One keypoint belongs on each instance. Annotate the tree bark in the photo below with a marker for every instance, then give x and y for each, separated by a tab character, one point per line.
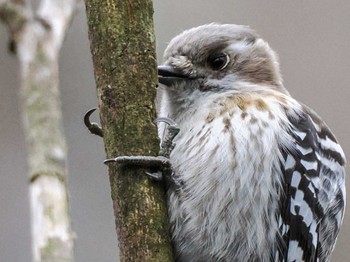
123	50
37	36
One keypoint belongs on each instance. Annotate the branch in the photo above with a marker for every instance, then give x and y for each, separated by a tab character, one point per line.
14	14
38	36
123	50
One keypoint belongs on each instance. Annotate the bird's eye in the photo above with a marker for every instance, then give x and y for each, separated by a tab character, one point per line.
218	62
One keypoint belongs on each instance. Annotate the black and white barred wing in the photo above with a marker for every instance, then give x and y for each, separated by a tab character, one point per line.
313	201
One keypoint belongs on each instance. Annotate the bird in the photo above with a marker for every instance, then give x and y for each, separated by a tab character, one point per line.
256	175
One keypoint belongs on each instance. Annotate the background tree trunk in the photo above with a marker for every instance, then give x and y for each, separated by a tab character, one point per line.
123	49
37	36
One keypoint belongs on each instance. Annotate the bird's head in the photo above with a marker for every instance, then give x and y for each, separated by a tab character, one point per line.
216	57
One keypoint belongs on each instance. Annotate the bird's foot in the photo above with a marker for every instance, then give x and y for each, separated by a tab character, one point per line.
93	127
158	165
168	144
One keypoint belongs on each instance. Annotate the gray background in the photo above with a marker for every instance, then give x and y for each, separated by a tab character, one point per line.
312	40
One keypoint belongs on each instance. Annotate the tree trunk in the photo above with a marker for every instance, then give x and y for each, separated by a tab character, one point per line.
123	50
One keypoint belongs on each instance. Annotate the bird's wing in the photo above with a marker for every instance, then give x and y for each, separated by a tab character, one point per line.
312	204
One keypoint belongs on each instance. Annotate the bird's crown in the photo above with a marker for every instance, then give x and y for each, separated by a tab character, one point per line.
217	51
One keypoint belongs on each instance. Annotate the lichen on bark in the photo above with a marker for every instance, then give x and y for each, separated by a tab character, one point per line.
123	50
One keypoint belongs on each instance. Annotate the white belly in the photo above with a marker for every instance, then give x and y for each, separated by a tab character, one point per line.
227	171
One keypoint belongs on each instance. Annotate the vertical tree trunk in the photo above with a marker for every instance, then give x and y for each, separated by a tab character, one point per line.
38	35
123	50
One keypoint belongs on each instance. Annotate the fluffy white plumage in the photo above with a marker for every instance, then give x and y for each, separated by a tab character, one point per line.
257	175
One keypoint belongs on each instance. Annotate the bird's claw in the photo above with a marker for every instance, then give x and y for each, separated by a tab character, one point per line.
156	176
93	127
160	163
167	144
145	161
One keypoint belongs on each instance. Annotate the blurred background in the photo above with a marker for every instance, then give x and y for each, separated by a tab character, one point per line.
312	40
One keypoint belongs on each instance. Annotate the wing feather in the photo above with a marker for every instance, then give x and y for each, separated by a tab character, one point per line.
312	204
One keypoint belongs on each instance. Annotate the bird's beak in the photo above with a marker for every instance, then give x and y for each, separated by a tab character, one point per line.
169	75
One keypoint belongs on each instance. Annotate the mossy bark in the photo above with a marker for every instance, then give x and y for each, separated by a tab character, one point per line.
123	50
